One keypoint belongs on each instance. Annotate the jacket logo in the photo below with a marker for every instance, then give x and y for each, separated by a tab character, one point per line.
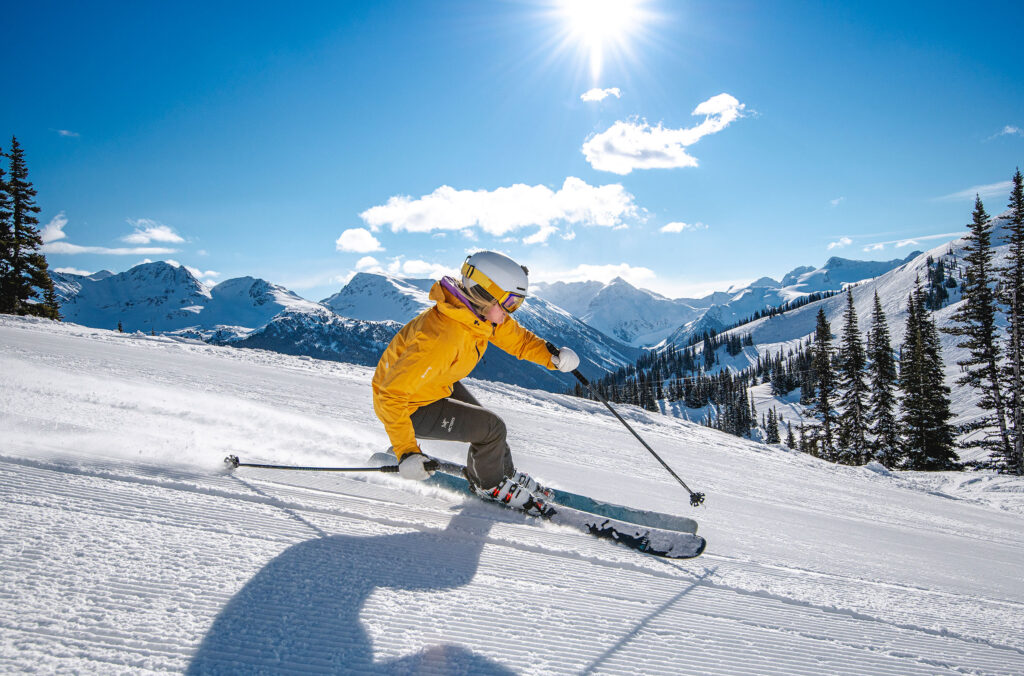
447	424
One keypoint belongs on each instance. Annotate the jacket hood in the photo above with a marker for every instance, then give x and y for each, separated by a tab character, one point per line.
452	304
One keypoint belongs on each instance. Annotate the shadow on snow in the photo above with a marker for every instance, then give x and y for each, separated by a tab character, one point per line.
301	612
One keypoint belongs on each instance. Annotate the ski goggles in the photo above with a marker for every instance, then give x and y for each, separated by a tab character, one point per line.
508	300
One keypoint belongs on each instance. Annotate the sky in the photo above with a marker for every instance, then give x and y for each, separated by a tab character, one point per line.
684	146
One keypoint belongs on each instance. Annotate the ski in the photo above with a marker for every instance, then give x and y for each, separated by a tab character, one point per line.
663	542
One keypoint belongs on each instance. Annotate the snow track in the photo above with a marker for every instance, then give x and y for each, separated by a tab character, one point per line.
125	546
149	570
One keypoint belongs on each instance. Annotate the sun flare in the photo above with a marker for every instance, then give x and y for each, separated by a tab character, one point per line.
601	26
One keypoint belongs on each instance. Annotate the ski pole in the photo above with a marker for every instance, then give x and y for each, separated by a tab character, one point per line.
232	462
696	499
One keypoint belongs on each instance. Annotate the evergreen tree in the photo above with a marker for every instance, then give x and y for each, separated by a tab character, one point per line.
882	402
6	237
772	428
853	444
975	323
1013	286
826	385
25	272
790	440
927	434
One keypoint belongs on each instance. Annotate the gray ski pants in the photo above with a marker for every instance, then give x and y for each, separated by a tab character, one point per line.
460	417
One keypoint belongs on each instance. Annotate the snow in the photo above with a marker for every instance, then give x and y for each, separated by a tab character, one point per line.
125	546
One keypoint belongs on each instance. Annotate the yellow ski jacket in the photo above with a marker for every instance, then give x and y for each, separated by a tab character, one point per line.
434	351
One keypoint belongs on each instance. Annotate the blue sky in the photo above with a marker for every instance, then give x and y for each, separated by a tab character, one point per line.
302	142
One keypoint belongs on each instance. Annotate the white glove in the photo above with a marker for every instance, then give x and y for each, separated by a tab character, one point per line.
566	360
412	467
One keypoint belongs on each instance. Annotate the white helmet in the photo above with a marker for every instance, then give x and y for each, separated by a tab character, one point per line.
498	275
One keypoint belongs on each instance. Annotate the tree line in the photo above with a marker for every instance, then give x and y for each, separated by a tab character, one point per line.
870	402
25	284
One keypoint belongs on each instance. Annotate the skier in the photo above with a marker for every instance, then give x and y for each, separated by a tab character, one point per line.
417	388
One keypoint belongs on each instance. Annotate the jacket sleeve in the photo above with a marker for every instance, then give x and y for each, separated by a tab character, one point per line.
419	365
521	344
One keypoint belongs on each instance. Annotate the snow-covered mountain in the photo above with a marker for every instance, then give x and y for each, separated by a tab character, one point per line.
837	273
353	325
788	331
163	297
643	318
375	297
126	548
378	297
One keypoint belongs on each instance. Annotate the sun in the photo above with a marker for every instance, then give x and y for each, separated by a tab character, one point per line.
602	27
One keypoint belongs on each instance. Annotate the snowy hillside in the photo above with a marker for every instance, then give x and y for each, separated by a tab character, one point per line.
789	330
125	547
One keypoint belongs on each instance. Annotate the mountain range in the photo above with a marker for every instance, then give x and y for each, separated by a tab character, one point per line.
608	325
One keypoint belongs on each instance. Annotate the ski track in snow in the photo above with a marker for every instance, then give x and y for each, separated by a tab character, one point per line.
125	546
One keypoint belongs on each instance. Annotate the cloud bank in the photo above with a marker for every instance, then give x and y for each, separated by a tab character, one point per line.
505	210
626	146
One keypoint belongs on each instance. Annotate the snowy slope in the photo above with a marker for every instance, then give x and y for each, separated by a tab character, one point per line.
125	548
789	330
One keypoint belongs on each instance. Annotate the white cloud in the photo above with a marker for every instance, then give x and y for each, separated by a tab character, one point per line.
626	146
541	236
148	230
837	201
67	133
597	94
74	249
358	240
1008	130
1001	189
206	276
54	230
679	226
367	263
897	243
604	273
841	242
504	210
417	268
72	271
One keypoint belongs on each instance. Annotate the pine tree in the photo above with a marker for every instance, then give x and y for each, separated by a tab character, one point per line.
826	385
25	272
772	428
1013	297
975	322
6	238
882	402
790	439
853	444
927	434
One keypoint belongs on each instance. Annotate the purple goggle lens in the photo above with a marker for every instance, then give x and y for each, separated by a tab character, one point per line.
513	301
